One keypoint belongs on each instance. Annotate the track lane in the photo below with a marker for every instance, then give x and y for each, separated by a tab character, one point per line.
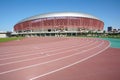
9	49
47	58
46	53
36	47
74	63
53	61
34	75
41	47
13	49
26	56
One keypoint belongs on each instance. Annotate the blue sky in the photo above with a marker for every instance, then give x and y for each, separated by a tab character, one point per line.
12	11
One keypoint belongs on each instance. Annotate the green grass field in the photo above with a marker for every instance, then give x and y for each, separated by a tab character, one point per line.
10	39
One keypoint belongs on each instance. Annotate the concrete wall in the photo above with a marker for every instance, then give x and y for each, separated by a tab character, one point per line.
3	35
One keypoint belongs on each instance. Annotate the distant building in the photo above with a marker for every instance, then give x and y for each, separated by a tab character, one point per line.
119	30
5	34
109	29
115	30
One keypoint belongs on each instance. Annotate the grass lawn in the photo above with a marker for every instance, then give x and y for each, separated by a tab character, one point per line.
10	39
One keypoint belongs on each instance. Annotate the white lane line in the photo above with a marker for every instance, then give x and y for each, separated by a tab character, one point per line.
56	41
31	45
70	64
35	53
35	49
79	47
13	70
51	50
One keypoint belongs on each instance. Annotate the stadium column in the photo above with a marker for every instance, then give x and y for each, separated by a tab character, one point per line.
50	34
76	33
71	33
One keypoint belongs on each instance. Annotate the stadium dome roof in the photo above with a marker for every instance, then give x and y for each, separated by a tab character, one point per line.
59	14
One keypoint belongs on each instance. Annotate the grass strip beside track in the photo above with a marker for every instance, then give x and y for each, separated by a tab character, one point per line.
10	39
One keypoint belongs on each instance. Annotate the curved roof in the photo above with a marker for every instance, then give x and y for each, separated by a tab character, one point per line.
58	14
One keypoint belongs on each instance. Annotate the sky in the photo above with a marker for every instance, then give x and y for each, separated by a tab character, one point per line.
13	11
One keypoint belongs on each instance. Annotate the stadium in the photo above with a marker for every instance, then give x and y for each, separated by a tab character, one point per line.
60	23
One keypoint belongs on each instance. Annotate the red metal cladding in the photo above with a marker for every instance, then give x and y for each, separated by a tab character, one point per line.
58	22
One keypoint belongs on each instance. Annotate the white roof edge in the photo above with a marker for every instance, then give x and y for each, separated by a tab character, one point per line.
58	14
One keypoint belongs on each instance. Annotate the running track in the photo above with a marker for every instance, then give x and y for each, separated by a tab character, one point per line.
53	58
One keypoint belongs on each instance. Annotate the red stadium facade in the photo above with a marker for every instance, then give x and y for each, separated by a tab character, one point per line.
65	22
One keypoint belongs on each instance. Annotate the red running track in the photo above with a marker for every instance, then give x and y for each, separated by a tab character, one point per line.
49	58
